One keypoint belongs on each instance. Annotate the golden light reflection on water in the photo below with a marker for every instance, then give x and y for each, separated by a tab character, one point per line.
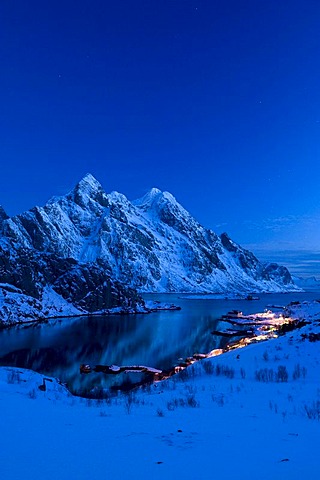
267	322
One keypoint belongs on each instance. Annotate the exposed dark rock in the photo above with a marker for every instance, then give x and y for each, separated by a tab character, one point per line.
272	271
3	216
26	275
228	243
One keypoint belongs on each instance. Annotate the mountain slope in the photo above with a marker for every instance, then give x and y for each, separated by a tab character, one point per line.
37	285
152	244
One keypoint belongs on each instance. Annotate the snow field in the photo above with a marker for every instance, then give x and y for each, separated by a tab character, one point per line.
214	419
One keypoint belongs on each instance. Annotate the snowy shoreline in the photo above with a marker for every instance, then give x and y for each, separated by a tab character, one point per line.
150	307
229	406
257	327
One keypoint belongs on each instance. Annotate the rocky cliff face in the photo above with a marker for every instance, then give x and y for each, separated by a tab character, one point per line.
36	285
3	215
90	243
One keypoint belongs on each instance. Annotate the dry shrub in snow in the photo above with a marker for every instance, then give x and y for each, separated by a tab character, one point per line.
267	375
211	369
299	372
282	374
313	410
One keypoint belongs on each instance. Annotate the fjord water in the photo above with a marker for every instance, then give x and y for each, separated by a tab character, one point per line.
159	340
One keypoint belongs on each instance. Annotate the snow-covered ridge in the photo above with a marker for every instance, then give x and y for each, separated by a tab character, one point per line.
87	244
152	244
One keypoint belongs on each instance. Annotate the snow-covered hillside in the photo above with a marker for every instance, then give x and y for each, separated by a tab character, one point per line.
35	285
249	413
152	244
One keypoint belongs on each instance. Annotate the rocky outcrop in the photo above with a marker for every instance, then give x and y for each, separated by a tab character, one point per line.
3	216
37	285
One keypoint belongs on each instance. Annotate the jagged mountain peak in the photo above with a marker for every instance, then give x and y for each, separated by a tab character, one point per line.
148	199
154	191
88	184
118	197
155	201
154	195
170	198
86	191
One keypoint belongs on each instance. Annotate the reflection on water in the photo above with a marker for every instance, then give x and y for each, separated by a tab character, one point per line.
157	340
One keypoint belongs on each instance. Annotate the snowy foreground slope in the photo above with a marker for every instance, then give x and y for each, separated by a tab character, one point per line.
199	425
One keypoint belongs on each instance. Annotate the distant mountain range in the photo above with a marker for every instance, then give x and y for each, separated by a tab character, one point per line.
89	251
309	283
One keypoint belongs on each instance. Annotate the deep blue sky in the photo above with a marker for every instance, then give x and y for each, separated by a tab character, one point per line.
217	102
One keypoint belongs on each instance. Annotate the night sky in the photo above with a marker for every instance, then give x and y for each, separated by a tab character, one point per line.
217	102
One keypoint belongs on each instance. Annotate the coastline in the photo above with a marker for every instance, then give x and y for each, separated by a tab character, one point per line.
144	310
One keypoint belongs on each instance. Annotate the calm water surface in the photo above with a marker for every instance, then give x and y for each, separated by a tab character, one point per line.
157	340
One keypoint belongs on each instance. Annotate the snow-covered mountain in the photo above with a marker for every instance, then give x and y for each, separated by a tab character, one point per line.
152	244
309	283
36	285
